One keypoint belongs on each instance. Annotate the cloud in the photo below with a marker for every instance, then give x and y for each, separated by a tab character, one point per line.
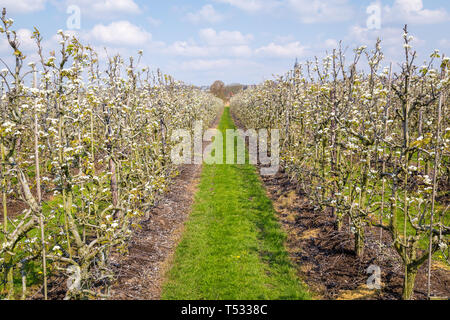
217	65
26	43
214	44
391	40
412	11
389	37
154	22
202	65
187	49
23	6
331	44
206	14
315	11
224	38
119	33
240	51
445	43
252	5
285	38
183	48
105	7
289	50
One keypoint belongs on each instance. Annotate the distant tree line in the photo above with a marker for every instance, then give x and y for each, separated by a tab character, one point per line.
226	92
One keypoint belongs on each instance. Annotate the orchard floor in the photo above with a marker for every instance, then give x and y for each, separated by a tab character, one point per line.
233	246
222	232
142	272
325	258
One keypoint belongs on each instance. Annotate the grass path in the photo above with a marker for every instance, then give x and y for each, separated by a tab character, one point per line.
233	247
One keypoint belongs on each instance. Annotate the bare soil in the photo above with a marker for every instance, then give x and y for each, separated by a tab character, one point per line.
325	259
16	207
142	272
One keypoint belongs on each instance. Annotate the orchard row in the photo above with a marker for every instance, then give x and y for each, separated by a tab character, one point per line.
85	151
368	144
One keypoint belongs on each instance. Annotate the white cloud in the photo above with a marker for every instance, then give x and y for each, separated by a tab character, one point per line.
183	48
391	40
314	11
289	50
217	65
206	14
285	38
23	6
4	46
240	51
445	43
224	38
213	44
202	65
409	5
252	5
331	44
154	22
187	49
128	6
413	11
119	33
105	7
26	43
389	36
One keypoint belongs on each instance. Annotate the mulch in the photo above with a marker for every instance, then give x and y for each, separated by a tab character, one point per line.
141	274
325	258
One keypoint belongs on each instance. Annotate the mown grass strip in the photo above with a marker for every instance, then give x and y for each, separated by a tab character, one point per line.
233	247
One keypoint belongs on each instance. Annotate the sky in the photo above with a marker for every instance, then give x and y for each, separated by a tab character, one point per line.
244	41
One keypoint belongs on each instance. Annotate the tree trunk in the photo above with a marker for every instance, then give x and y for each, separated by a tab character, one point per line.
359	242
338	224
409	283
114	191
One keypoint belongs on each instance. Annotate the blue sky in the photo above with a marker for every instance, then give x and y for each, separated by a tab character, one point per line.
244	41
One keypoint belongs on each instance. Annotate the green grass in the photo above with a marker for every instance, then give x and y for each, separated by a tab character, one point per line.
233	247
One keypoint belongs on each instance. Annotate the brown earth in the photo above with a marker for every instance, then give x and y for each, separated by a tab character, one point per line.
141	273
325	259
16	206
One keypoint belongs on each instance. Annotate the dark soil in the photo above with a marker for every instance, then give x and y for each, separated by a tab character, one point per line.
16	207
141	273
325	257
